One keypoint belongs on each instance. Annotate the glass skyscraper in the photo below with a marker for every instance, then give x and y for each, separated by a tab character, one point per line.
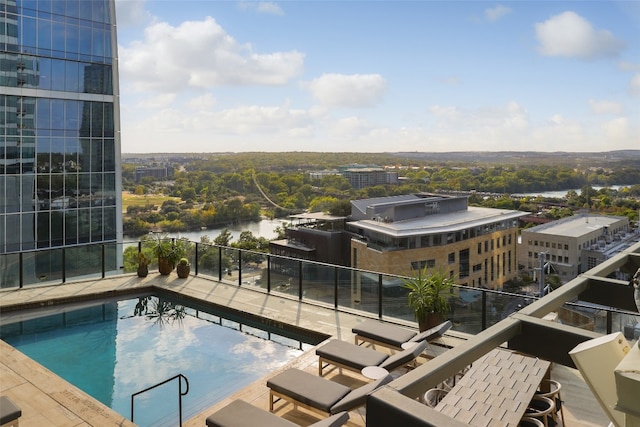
60	183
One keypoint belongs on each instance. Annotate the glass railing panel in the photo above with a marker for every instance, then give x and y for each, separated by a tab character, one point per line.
208	260
230	265
364	291
254	266
42	267
318	282
466	309
285	276
117	255
395	298
345	293
84	262
9	270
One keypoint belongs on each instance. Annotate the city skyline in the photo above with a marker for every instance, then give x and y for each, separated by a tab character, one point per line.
198	76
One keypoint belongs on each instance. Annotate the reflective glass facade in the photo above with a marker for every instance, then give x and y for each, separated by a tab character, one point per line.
59	124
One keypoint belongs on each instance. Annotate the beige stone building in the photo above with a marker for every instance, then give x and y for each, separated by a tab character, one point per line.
574	244
399	234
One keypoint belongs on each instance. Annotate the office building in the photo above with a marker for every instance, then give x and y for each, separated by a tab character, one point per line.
574	244
60	181
401	234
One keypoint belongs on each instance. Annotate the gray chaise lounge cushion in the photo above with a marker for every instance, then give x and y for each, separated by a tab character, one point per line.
351	355
405	356
357	357
384	332
394	335
433	333
242	414
321	393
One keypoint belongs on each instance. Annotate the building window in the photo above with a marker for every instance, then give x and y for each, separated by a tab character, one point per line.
477	267
479	248
566	247
452	258
486	246
463	267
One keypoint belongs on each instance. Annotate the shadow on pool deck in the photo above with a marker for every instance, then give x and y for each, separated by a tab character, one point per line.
46	399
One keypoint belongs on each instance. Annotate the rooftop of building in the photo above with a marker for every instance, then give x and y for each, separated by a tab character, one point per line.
576	225
44	397
439	223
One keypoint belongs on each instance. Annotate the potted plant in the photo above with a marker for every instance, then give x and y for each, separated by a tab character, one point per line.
183	268
168	251
429	296
143	265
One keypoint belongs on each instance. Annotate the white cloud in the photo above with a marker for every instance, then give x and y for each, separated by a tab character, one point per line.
355	90
616	130
162	100
509	117
605	107
496	13
570	35
351	126
628	66
267	7
200	54
634	85
202	102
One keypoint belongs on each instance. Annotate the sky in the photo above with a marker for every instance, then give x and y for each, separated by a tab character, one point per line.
378	76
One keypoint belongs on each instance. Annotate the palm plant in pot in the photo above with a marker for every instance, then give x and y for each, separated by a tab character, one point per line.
429	295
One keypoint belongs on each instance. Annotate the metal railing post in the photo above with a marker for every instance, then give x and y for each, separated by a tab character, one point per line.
239	267
196	260
64	265
484	310
380	296
335	287
268	274
300	280
104	260
219	263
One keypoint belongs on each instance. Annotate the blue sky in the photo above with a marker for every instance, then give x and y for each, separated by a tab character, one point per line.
379	76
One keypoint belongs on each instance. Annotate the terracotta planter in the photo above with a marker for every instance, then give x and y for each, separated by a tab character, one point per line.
165	266
183	271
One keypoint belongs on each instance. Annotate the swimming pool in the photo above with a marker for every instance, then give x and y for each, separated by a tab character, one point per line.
114	349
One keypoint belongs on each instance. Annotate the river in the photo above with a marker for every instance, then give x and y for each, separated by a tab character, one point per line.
560	194
264	228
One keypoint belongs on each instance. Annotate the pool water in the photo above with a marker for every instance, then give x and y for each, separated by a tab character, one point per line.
116	349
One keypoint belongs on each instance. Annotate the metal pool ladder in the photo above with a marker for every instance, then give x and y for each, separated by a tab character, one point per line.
179	377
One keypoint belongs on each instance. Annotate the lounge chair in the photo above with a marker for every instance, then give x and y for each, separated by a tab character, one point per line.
354	357
392	336
239	413
317	393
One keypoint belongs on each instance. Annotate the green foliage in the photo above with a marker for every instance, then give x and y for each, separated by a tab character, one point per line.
429	292
163	247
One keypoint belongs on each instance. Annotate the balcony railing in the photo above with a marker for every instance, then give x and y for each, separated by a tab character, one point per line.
345	289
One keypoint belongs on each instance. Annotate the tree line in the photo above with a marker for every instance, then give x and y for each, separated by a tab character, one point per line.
221	188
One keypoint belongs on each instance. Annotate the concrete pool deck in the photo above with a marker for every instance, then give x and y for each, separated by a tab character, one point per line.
46	399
